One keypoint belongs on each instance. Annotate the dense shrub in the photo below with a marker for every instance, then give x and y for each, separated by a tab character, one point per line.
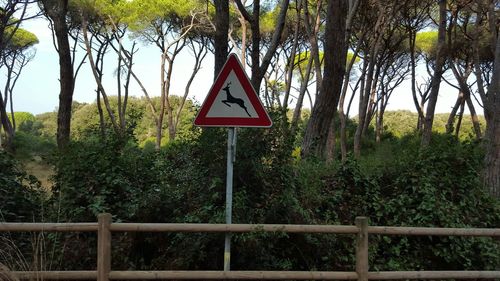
99	176
29	145
440	187
20	195
396	183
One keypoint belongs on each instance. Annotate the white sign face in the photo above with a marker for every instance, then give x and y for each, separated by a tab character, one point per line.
231	101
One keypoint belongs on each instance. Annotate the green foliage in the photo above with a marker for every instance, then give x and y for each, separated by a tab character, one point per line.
140	119
20	195
437	187
403	122
93	187
268	19
395	183
460	47
22	118
146	14
426	42
301	61
29	145
21	39
48	124
184	182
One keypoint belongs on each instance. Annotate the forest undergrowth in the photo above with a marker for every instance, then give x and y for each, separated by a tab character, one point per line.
394	183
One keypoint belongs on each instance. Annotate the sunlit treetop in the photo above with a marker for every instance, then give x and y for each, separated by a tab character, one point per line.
143	13
109	12
302	58
22	39
461	46
426	42
269	14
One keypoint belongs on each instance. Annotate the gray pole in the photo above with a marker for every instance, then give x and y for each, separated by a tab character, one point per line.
231	157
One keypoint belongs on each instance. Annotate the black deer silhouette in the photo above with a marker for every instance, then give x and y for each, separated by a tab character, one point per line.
230	99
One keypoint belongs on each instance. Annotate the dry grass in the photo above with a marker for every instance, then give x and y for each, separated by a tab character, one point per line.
12	258
41	170
6	274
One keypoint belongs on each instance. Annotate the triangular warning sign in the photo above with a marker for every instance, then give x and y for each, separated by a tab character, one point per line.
232	101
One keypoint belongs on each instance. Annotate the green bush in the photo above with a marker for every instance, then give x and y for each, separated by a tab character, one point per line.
29	145
439	187
100	176
184	182
21	198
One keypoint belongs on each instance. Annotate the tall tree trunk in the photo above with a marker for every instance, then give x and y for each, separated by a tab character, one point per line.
379	126
372	103
97	72
412	38
221	37
167	81
168	105
102	124
244	30
363	104
7	126
259	68
127	57
127	90
492	137
342	114
436	78
255	54
460	118
66	81
330	142
475	120
121	117
291	60
99	67
199	56
490	98
318	127
312	35
464	97
8	91
57	11
300	98
450	124
161	115
368	80
492	157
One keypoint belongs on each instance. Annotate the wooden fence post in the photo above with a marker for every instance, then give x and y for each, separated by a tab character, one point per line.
362	248
103	247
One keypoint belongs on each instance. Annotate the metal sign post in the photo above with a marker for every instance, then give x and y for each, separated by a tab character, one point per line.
232	102
231	158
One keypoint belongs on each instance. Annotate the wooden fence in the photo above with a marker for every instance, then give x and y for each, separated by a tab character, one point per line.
361	229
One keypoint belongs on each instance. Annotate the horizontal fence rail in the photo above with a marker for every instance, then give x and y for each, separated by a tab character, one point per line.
259	275
48	227
244	228
432	231
236	228
104	227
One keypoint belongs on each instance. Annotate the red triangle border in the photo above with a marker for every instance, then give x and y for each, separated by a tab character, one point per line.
262	120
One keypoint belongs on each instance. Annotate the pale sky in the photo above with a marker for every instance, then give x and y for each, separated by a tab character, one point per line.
38	87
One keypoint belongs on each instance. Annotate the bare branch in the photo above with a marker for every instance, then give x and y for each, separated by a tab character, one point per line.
243	11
